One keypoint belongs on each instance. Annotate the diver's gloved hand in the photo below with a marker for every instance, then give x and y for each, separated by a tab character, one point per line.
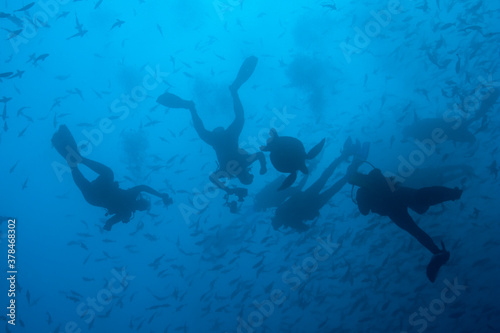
167	200
240	192
233	207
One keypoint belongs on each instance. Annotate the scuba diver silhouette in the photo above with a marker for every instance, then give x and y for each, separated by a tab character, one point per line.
377	195
305	205
103	191
233	161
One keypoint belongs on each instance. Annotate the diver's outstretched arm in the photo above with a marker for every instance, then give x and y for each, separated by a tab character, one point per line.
239	191
98	168
358	179
237	125
434	195
403	220
145	188
215	180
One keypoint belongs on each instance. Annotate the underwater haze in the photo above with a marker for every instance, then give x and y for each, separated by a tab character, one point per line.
417	80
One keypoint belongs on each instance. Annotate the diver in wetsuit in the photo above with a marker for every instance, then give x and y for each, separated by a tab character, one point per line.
377	195
233	161
305	205
103	191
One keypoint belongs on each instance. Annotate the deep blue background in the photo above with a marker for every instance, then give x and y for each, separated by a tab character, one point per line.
211	268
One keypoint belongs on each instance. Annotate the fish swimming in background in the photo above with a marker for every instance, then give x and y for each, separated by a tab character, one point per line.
117	24
5	99
41	57
5	75
25	8
98	4
18	74
14	33
79	27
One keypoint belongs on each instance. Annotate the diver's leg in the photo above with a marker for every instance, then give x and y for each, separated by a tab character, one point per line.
237	125
403	220
81	182
261	158
203	133
104	172
329	193
318	185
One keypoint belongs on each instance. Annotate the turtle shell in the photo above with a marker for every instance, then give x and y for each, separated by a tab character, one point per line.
287	154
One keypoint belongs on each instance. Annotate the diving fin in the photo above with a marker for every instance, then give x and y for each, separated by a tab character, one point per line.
316	150
288	181
348	148
246	70
173	101
65	144
365	150
438	260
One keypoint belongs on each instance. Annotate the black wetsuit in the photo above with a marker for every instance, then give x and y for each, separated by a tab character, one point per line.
105	192
233	161
375	195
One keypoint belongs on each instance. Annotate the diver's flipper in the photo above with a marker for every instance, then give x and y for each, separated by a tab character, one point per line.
348	148
65	144
435	264
288	181
245	72
316	150
365	150
173	101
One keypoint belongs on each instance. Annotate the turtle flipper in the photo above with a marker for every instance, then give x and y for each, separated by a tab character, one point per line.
288	181
316	150
304	169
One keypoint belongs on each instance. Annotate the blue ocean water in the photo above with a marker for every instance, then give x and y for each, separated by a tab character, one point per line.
389	73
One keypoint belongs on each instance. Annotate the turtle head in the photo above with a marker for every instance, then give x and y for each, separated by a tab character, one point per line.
273	134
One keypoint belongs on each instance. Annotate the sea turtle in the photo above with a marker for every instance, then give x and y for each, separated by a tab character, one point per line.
288	155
